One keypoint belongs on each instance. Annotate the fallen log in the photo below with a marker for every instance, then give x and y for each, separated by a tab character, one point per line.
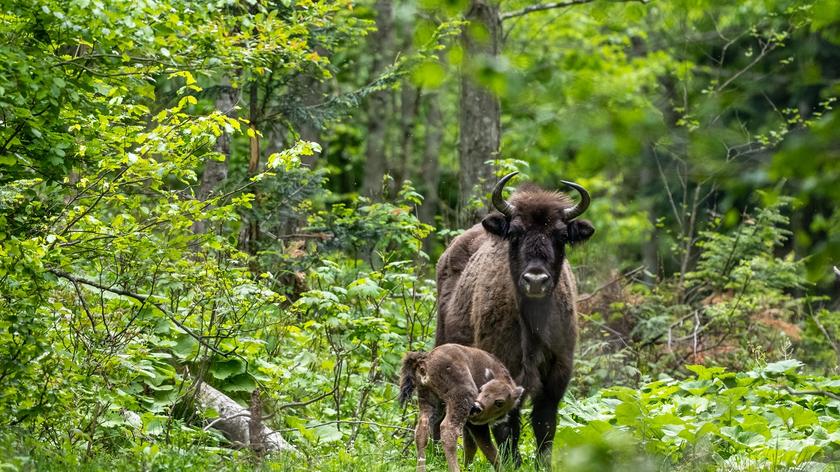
234	422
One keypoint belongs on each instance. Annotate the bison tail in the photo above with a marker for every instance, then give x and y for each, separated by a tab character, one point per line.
408	375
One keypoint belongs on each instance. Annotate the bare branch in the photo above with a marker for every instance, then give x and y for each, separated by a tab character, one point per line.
617	279
352	422
765	49
554	5
822	393
307	402
142	299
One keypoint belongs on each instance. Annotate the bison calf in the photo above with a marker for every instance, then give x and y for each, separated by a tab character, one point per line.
475	389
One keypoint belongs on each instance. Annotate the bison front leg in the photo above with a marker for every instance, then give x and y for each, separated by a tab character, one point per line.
507	437
544	421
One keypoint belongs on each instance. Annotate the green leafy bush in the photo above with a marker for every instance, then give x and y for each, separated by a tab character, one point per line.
770	418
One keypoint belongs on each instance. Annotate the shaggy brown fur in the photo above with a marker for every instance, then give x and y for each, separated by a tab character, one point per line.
485	300
473	386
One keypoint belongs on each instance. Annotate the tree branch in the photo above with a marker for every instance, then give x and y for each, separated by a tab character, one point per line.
554	5
822	393
142	299
306	402
617	279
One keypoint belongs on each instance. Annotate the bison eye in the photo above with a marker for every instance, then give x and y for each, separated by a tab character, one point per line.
500	403
515	231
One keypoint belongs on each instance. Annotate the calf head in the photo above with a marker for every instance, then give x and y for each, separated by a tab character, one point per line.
538	225
495	399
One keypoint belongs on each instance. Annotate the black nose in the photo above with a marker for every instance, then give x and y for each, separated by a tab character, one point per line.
536	283
476	409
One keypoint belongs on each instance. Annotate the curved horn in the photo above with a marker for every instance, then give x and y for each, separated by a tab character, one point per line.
583	204
499	202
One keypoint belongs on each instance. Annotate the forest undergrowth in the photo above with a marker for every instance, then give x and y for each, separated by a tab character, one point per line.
247	198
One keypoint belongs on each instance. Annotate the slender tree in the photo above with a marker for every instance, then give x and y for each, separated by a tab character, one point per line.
216	171
480	114
376	159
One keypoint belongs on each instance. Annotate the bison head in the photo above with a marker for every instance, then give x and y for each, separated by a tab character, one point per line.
538	225
495	399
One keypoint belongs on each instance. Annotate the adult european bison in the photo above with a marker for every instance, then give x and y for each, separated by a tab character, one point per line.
505	286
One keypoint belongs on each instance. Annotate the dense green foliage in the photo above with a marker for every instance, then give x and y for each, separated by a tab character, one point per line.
181	204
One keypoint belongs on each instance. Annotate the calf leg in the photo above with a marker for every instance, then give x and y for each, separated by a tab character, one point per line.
507	437
437	418
449	432
480	433
421	434
469	445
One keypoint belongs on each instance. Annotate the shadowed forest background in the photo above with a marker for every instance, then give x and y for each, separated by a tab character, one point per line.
245	199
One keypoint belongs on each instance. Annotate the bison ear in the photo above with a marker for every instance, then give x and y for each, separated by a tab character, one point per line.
488	374
495	223
518	391
579	231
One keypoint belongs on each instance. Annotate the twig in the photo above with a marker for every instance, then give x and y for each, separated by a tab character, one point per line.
554	5
306	402
142	299
372	423
607	328
245	413
667	189
668	331
765	49
625	275
225	418
824	331
322	236
822	393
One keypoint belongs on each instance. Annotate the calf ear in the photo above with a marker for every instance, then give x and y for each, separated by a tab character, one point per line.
495	223
579	231
488	374
518	391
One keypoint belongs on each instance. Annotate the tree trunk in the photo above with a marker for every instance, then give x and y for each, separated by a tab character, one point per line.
256	437
429	168
306	90
480	113
215	172
254	143
431	154
250	235
376	161
409	104
650	249
235	422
